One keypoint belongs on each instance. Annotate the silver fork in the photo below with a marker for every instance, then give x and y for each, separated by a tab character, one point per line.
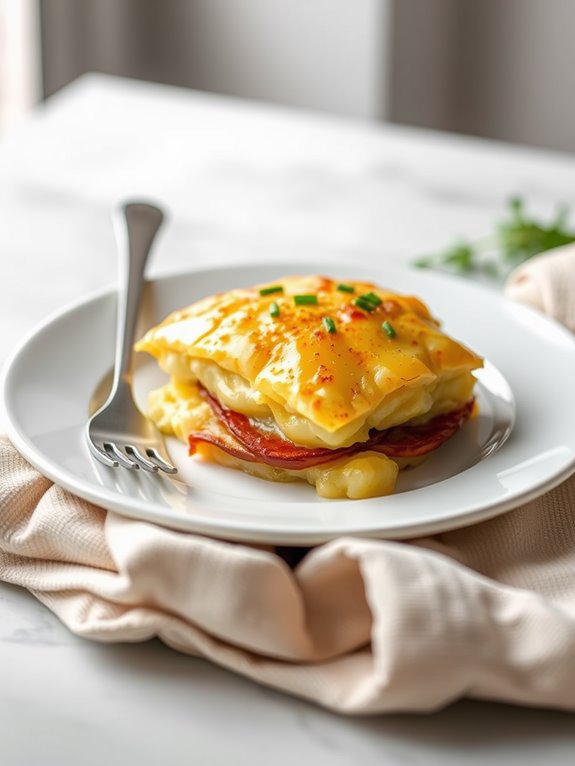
118	434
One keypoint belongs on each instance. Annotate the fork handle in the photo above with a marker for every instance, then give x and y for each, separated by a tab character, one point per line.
136	225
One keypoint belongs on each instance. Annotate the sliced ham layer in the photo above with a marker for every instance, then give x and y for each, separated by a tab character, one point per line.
240	437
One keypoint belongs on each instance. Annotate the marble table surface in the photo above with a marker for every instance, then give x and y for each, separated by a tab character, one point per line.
243	182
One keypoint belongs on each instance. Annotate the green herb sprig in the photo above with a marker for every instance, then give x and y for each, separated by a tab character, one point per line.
329	324
306	299
516	239
271	290
368	302
388	329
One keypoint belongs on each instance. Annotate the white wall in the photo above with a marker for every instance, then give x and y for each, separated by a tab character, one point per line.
498	68
503	69
329	55
322	54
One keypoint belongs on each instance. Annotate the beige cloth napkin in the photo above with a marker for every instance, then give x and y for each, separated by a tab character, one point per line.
359	626
547	282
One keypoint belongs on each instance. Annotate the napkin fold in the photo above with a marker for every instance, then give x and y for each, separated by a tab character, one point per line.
359	626
547	282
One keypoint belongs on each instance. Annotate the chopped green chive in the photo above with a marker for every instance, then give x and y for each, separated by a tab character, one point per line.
362	303
271	290
274	310
368	301
387	327
305	300
329	324
345	288
372	298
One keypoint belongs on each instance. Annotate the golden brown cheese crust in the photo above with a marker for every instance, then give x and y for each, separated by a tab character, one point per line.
331	379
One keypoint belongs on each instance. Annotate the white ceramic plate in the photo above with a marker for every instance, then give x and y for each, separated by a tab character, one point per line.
522	443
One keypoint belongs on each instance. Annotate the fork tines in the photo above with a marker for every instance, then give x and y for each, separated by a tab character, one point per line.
133	458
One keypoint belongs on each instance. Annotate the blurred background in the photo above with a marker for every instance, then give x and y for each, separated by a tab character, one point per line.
502	69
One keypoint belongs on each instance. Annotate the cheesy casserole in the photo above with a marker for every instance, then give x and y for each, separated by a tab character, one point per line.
310	378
